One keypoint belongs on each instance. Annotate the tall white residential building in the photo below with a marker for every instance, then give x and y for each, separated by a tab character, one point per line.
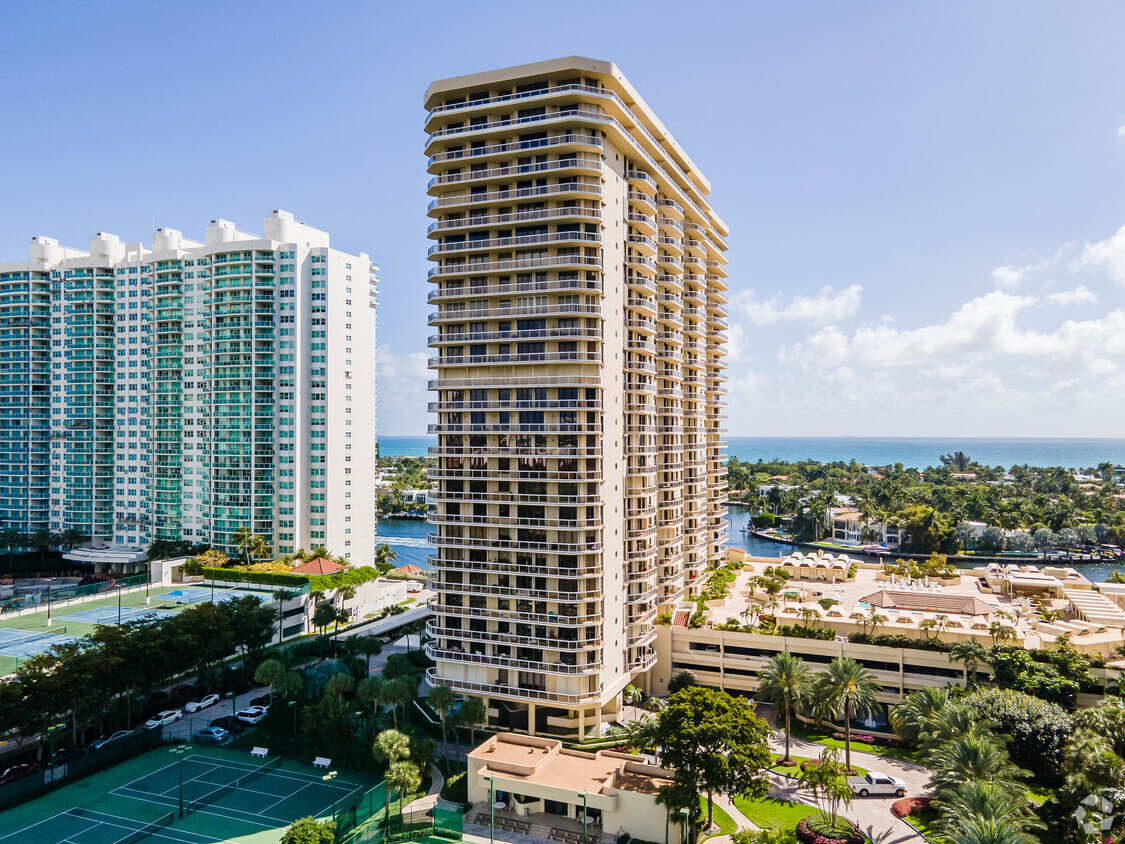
579	331
194	387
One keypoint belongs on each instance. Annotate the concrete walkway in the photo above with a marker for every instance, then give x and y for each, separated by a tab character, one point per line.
431	797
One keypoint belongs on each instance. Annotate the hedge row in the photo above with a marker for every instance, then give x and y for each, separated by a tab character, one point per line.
352	577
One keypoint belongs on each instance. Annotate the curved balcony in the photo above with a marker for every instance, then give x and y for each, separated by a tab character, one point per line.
493	690
642	181
457	247
641	203
566	597
643	223
498	544
591	568
446	655
476	314
582	165
463	337
594	358
535	215
553	643
467	268
588	190
565	142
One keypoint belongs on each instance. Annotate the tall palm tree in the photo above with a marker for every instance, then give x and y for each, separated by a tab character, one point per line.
971	757
281	596
783	683
384	556
403	778
977	830
260	547
970	654
345	593
472	715
243	541
852	689
983	800
909	717
72	538
442	700
42	540
11	539
1001	632
392	746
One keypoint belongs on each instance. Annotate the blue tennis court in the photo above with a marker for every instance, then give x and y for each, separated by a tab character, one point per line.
22	644
109	615
199	594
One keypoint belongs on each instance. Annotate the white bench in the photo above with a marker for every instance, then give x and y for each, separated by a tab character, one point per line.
321	762
260	751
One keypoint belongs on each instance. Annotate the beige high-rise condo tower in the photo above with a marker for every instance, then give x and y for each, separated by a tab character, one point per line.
579	284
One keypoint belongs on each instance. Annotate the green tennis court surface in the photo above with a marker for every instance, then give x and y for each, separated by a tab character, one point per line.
229	798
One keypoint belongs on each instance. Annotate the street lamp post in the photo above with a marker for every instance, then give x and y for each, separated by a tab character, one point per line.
181	751
491	809
583	796
684	816
293	704
331	775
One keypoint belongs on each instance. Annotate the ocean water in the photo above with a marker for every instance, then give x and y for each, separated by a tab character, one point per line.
917	452
407	538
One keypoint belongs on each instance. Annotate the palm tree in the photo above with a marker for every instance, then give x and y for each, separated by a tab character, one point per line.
42	540
369	646
244	541
392	746
404	779
11	539
472	714
641	734
752	613
1001	632
970	654
72	538
345	593
281	596
909	717
983	800
260	547
442	700
977	830
783	683
279	677
384	556
852	690
949	723
970	757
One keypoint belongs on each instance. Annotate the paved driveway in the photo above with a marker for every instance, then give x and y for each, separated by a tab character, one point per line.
192	722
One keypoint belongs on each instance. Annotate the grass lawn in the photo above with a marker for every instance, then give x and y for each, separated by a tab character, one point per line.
825	737
1040	793
768	813
924	821
796	769
725	822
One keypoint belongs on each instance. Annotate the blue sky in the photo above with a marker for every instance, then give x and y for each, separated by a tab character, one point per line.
926	201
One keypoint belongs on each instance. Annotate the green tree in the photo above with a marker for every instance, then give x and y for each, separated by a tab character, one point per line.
441	700
260	547
403	778
851	690
683	680
42	541
977	830
385	558
472	714
970	654
244	541
391	746
967	758
324	615
828	782
11	539
72	538
909	717
715	743
309	830
369	646
279	677
281	596
784	683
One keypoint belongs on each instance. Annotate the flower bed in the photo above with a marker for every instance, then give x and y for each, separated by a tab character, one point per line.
910	806
813	830
868	738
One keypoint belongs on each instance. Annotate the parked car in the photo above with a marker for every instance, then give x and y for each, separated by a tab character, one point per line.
112	737
183	690
213	735
230	724
17	772
251	714
202	703
877	783
168	716
261	700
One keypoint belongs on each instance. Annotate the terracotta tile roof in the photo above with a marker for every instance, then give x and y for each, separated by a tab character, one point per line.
962	604
321	565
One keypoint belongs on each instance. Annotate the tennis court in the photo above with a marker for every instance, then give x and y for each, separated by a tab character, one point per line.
200	594
111	615
22	644
229	797
256	793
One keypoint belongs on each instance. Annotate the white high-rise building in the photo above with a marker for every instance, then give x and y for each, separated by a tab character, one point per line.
195	388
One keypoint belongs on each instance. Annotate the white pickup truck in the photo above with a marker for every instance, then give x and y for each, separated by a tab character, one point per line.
877	783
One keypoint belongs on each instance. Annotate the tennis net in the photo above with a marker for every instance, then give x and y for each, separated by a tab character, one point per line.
146	830
223	790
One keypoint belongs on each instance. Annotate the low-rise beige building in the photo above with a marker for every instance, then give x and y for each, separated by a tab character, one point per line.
533	776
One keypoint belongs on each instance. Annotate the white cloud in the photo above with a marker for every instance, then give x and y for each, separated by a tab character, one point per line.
1121	131
1008	276
827	306
1077	296
402	387
1108	254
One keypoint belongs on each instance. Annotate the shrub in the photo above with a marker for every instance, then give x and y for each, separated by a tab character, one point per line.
456	788
810	836
910	806
265	578
1037	730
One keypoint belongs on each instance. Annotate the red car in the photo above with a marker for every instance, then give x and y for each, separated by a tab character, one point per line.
17	772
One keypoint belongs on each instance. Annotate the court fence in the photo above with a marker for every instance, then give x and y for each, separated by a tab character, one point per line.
372	817
61	596
77	767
